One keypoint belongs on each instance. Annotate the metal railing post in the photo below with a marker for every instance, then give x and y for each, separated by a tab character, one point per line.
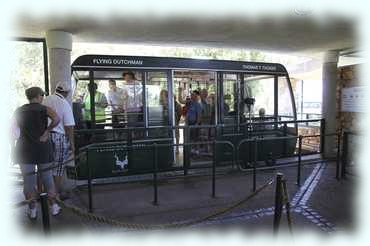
45	213
214	170
278	202
344	154
254	165
187	150
89	184
299	160
285	142
307	118
322	136
155	183
338	156
129	144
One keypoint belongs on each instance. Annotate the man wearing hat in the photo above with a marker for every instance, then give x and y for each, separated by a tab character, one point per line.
62	135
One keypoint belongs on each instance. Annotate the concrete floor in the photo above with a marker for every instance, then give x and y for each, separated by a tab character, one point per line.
315	203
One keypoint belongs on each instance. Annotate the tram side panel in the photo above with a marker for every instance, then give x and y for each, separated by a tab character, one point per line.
118	159
267	147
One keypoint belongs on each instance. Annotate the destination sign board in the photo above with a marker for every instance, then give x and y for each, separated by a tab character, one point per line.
106	61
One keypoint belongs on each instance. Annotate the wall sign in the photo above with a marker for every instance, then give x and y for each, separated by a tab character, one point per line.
353	99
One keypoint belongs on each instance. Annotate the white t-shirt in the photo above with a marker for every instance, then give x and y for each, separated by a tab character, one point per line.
133	95
64	111
116	98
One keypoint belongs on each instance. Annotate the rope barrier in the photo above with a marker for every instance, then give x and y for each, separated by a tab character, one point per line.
54	166
23	203
101	219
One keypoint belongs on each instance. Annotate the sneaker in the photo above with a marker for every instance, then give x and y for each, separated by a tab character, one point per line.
32	213
55	209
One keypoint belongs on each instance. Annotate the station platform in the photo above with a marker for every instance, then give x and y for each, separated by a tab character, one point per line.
321	204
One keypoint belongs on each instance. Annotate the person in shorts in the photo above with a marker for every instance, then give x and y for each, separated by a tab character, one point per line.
62	135
33	148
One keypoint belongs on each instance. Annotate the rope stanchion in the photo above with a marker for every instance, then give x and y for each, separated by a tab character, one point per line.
278	202
45	213
281	199
287	206
101	219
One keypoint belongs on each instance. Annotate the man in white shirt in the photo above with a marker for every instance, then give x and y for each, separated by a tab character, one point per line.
115	101
133	100
62	135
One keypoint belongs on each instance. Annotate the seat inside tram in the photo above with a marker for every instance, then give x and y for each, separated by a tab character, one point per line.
150	106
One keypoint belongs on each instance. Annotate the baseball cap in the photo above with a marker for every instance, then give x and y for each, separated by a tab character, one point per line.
63	86
34	92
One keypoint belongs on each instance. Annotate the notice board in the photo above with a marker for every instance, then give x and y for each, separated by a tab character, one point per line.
353	99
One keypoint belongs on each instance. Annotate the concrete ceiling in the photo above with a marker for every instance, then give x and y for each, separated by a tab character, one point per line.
290	34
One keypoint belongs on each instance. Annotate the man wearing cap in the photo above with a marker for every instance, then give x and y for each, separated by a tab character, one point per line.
33	147
62	135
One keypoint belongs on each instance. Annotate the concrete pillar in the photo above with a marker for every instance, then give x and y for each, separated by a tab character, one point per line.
329	110
59	45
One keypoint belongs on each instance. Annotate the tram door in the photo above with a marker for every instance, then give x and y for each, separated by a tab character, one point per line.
185	82
157	103
231	105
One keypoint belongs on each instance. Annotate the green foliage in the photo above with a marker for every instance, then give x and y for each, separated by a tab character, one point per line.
256	56
28	70
214	53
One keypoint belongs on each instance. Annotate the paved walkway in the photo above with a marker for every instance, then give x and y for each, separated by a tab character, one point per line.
315	203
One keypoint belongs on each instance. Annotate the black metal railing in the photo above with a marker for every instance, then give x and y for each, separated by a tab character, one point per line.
154	171
347	153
